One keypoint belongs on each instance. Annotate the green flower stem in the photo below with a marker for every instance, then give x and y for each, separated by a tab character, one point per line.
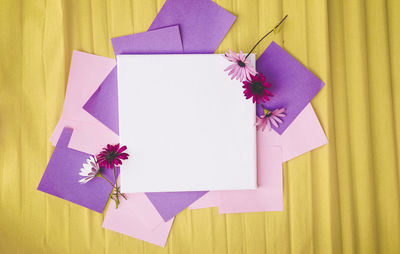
115	178
117	190
114	195
123	195
273	29
100	175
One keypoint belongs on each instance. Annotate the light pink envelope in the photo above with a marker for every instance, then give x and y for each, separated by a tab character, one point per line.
210	199
140	205
124	220
267	197
303	135
269	194
87	71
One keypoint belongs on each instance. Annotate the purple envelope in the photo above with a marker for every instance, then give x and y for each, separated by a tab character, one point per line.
203	25
103	104
61	177
293	85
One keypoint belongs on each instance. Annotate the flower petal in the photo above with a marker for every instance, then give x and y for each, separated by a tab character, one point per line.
251	70
83	180
241	74
262	78
83	173
278	119
121	149
247	72
268	124
273	121
233	69
86	166
235	73
123	156
281	110
241	56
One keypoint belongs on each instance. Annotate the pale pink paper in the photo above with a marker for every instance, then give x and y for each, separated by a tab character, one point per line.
269	194
142	208
124	220
267	197
86	137
87	71
303	135
210	199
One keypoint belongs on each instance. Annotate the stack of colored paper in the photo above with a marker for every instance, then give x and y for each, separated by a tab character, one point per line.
228	163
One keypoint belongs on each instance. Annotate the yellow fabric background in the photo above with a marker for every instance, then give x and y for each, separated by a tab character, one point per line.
342	198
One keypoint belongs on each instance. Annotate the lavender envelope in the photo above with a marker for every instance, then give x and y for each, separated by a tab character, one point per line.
62	175
103	104
204	26
293	85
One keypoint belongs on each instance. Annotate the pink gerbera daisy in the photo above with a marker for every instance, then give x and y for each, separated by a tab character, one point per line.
112	156
269	117
257	87
240	69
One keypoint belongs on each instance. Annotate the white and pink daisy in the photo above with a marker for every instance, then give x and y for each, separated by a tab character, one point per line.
90	170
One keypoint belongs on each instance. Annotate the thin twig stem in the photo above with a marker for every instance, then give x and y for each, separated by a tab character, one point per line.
115	178
117	191
263	107
266	36
106	180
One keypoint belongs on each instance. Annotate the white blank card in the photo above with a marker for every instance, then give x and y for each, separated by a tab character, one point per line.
186	124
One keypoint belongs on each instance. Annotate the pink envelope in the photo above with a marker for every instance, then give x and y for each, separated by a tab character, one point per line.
303	135
126	221
267	197
269	194
210	199
140	206
87	71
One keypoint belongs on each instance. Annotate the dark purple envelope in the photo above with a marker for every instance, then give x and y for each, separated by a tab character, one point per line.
103	104
61	177
293	85
203	24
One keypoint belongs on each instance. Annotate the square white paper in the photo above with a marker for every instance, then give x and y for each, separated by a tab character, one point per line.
187	125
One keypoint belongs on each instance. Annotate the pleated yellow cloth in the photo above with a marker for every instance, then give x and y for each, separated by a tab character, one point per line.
341	198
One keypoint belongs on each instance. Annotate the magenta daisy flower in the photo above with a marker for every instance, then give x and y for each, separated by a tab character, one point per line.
240	69
112	156
257	88
270	117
